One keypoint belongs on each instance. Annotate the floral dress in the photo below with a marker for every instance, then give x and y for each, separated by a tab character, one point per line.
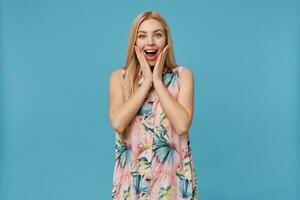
151	160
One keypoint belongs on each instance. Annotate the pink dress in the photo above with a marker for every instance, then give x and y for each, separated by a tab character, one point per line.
151	160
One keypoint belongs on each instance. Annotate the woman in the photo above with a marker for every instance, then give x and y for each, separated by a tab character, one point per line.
151	117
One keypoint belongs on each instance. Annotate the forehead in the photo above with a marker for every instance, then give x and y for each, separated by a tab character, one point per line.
150	25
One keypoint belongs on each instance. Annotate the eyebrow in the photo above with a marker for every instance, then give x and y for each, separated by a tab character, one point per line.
153	31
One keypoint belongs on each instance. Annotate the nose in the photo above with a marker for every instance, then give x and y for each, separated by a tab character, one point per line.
150	41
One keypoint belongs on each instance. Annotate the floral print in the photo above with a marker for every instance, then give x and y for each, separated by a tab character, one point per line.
152	162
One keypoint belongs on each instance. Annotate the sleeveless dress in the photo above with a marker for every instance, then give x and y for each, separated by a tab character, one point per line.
151	161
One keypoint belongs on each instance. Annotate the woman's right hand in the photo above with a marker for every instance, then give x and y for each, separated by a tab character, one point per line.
147	73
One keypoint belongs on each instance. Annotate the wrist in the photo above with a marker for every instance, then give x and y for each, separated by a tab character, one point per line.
148	83
157	82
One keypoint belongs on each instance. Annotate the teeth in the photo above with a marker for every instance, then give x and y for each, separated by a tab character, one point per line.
148	51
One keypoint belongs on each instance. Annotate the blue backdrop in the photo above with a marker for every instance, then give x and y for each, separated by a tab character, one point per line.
56	57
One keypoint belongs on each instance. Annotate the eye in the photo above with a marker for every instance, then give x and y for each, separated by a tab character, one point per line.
141	36
158	35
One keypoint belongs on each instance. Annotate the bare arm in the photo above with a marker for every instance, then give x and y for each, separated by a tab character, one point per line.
180	113
122	112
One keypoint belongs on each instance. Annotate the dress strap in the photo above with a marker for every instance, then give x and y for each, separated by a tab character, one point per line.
123	73
179	68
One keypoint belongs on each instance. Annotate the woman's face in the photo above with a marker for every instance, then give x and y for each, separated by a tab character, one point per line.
151	40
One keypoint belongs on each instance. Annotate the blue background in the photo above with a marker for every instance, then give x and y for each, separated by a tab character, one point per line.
56	57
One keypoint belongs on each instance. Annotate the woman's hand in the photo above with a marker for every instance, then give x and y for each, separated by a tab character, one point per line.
147	74
158	68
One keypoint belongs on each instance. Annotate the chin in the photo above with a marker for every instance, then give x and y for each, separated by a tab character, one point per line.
151	64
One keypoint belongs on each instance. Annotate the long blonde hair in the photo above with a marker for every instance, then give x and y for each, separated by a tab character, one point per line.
132	67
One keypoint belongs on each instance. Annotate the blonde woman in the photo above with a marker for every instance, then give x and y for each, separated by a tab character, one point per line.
151	109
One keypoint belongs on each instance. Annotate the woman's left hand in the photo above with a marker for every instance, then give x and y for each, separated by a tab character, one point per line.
158	68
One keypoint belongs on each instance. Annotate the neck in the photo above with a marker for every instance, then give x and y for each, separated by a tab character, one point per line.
152	67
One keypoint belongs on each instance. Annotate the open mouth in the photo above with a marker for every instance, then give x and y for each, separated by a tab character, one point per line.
151	53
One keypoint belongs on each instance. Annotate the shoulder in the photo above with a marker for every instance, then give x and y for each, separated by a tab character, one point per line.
185	71
185	74
116	75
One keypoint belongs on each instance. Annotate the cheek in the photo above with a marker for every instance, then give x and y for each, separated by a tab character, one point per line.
161	42
139	43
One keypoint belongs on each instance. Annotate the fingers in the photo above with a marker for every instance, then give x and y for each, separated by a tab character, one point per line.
137	51
165	51
142	60
166	48
140	55
162	55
